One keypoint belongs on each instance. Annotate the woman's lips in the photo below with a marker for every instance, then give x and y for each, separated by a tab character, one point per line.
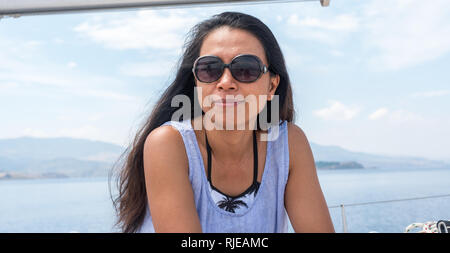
227	103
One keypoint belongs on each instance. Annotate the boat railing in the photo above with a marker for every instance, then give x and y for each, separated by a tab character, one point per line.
343	206
20	8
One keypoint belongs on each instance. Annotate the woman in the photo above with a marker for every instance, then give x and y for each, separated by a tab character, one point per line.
181	178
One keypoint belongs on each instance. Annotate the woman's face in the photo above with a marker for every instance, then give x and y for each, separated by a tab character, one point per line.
226	43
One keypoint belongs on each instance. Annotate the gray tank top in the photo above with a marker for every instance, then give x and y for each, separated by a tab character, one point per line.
264	213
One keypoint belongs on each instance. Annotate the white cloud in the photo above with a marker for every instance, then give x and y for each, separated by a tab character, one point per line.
32	132
83	132
336	53
58	41
33	43
399	132
388	35
147	29
379	113
147	69
398	116
401	116
429	94
279	18
7	86
328	30
405	33
105	94
337	111
72	65
341	23
50	74
79	84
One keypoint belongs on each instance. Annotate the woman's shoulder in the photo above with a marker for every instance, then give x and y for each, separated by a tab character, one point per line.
166	172
165	144
294	131
298	143
164	134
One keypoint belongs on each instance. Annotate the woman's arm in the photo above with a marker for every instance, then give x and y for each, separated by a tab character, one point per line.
304	200
169	191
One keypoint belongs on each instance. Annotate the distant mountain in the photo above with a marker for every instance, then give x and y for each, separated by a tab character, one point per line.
338	154
338	165
52	148
29	157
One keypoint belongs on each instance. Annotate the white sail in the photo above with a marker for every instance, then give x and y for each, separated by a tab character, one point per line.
29	7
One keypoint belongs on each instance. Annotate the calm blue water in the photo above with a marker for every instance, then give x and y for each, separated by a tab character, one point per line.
55	205
359	186
84	205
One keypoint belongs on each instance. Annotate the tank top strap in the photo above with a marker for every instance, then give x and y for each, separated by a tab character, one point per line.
278	136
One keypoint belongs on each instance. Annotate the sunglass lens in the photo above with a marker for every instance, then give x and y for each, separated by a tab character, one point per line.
208	69
246	68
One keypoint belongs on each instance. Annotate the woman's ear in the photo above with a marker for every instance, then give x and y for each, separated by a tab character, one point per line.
274	82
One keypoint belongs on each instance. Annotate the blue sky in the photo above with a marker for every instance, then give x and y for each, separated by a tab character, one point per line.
369	76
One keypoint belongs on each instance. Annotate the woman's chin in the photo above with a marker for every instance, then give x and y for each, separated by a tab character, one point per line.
230	123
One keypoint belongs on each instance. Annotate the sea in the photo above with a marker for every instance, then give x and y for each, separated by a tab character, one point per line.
84	205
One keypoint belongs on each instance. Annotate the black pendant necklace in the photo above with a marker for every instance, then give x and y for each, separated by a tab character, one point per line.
255	185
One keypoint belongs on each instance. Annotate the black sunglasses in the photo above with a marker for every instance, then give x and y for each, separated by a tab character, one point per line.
244	68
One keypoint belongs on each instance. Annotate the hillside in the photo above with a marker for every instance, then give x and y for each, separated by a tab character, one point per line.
338	154
29	157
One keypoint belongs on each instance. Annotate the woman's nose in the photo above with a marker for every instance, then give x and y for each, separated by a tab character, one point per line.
227	81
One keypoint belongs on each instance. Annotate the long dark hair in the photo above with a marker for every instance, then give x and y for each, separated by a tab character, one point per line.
131	201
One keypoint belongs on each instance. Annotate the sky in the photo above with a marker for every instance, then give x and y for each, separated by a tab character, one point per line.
369	76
